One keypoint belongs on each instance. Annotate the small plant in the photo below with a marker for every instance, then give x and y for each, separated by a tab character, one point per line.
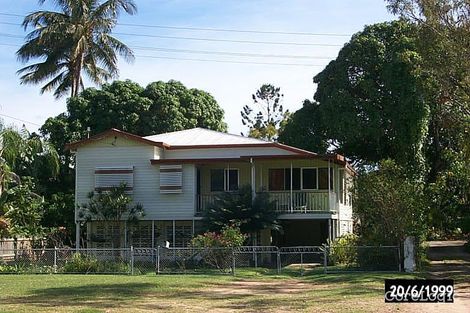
81	263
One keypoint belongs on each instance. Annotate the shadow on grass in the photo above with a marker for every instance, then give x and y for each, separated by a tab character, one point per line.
101	295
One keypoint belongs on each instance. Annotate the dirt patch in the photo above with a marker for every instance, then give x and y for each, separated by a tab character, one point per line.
261	288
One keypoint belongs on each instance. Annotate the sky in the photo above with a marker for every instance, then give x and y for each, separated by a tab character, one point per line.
232	84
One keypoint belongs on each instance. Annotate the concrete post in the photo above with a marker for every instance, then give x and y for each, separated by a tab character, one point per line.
409	254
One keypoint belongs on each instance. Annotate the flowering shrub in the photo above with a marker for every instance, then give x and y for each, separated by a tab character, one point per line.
229	237
217	248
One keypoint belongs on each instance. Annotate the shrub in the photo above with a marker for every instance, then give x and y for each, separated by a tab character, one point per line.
81	263
343	250
229	237
217	247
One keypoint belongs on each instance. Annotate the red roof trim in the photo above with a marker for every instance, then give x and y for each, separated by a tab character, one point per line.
117	133
191	161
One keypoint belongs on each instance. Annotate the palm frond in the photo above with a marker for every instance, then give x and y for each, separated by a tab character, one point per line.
112	9
122	49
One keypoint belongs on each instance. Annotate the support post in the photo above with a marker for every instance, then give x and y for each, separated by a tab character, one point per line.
174	234
77	235
153	234
329	230
291	193
325	258
253	180
125	234
329	195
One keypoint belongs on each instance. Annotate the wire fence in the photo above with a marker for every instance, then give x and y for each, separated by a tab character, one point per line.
138	261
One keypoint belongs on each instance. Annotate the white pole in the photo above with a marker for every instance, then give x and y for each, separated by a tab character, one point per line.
153	234
77	235
329	229
174	233
253	187
291	184
329	197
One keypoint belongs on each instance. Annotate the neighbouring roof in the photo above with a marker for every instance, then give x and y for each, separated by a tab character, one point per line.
201	136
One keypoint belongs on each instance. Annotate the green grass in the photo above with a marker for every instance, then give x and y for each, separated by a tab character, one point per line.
250	290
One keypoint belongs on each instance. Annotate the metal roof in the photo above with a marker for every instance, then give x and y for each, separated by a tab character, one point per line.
201	136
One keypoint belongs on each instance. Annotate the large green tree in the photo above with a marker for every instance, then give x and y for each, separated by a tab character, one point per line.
303	129
75	40
444	44
372	98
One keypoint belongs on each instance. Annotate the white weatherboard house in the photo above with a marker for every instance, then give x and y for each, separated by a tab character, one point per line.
176	175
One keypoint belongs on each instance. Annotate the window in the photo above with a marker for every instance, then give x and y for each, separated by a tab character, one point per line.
323	178
217	180
295	179
279	179
276	179
109	177
224	180
171	178
309	178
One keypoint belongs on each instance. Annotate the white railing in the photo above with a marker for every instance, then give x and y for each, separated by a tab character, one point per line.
285	201
300	201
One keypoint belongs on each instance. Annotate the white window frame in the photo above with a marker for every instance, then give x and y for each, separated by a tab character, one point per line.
302	178
227	178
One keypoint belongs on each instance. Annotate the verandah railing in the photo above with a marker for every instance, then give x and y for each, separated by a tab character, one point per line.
285	201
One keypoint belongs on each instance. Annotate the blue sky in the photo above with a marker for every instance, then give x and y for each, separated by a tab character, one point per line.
231	84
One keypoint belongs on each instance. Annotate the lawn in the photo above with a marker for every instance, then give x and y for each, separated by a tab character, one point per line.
248	291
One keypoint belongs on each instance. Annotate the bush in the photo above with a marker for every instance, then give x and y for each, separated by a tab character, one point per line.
218	246
81	263
229	237
343	250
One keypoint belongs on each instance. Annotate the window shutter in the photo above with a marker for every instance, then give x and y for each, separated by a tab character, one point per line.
171	178
108	177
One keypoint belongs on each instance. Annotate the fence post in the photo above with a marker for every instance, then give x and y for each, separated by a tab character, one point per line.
399	258
233	262
255	257
278	262
132	260
55	259
325	258
301	263
158	259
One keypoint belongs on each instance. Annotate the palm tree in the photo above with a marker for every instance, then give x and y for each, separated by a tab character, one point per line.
77	39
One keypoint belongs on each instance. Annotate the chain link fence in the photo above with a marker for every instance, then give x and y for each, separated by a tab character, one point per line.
362	259
140	261
302	258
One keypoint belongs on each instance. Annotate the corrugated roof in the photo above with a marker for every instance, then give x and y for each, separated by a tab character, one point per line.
202	136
